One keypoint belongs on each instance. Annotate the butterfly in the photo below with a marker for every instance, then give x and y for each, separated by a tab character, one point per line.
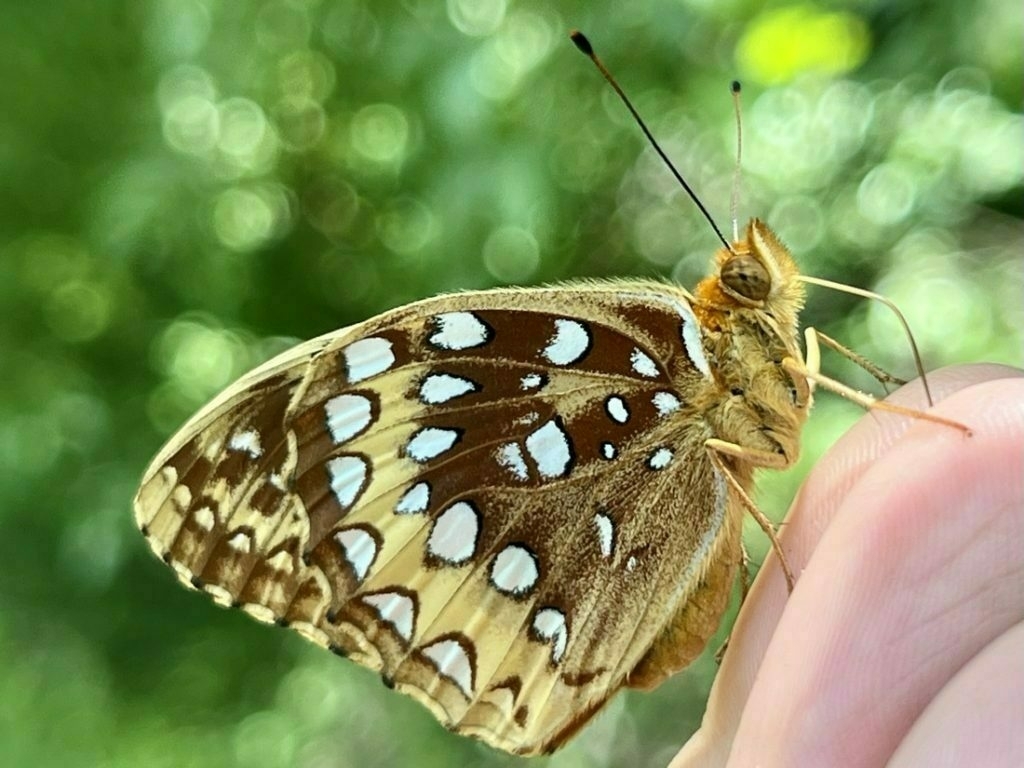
511	503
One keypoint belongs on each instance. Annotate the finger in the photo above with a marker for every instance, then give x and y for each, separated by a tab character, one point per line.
815	507
917	571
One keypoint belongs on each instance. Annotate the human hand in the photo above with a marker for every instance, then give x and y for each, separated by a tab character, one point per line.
903	641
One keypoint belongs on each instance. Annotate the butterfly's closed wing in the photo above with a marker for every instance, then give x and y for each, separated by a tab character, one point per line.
500	500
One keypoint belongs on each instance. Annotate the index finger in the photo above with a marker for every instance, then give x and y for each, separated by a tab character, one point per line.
751	674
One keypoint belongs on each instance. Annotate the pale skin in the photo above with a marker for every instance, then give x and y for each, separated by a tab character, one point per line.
903	642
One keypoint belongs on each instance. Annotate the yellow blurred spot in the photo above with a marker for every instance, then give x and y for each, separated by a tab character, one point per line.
782	43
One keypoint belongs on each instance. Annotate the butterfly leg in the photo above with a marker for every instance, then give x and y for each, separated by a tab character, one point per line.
716	450
744	590
744	573
883	376
865	401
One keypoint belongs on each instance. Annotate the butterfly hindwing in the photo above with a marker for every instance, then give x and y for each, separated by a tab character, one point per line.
498	499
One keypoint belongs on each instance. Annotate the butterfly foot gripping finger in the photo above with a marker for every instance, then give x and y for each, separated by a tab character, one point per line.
744	573
720	653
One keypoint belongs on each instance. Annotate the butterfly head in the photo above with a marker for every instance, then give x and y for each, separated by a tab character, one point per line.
759	274
749	309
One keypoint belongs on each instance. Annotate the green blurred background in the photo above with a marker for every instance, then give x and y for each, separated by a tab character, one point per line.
189	186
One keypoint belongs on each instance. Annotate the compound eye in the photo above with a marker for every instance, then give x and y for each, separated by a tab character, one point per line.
747	277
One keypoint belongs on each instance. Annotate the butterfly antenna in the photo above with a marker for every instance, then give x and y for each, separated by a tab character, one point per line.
737	176
887	302
584	45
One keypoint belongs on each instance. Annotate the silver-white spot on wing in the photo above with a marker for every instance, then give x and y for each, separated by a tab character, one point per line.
439	388
608	451
617	409
360	549
531	381
348	475
510	456
692	341
246	441
605	533
367	357
527	419
396	609
430	442
550	449
347	416
660	459
549	624
665	403
241	542
452	661
642	364
569	343
454	534
415	500
514	570
459	330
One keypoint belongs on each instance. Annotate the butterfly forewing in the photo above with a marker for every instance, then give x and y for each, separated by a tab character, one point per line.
500	500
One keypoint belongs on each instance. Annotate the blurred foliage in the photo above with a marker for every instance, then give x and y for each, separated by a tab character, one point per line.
188	186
